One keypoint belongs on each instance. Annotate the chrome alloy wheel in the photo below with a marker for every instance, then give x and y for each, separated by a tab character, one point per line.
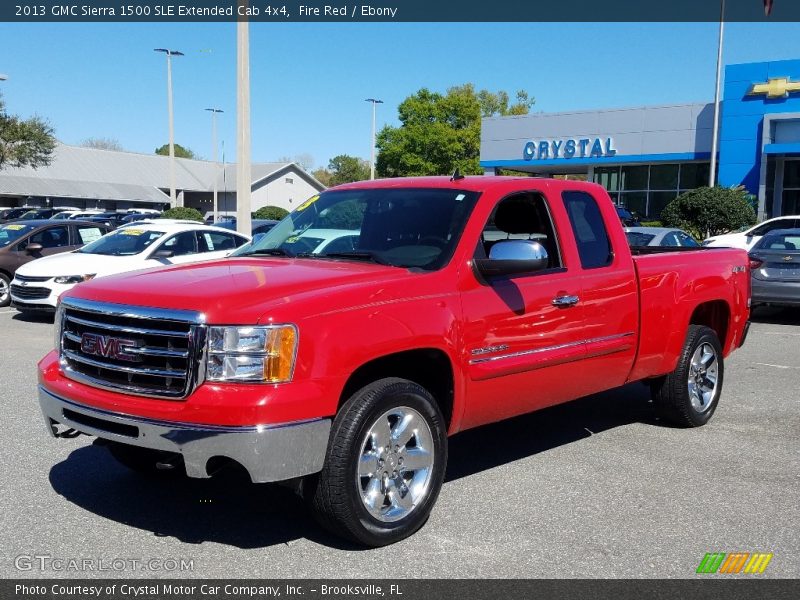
4	291
395	464
703	374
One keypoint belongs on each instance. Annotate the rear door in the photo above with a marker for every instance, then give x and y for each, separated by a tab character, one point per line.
609	296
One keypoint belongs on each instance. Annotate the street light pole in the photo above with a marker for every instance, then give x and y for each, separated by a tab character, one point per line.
243	171
214	112
715	129
372	147
170	53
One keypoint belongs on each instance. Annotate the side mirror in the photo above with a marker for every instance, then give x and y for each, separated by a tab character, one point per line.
512	257
31	248
163	254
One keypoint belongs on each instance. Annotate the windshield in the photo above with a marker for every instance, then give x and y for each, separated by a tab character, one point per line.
122	242
398	227
11	232
780	241
639	239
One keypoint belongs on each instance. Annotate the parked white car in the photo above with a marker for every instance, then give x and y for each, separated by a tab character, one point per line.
38	284
749	237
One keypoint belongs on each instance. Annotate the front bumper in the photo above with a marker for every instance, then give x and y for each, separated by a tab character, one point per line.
268	452
45	297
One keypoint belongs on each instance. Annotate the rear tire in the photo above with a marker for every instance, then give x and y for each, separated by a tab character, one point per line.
384	466
689	395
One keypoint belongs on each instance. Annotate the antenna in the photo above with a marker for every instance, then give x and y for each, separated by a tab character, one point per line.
456	175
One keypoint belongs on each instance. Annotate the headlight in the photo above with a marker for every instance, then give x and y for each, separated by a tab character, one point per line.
264	353
74	278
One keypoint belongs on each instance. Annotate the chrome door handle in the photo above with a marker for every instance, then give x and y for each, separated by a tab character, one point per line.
565	301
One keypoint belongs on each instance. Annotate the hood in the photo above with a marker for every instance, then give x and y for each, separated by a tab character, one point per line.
78	263
239	290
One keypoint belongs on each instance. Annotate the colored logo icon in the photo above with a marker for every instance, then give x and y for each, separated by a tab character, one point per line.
734	563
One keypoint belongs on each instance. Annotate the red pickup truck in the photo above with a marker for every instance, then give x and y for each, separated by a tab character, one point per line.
339	351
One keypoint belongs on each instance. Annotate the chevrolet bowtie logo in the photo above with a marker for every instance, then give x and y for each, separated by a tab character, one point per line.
777	87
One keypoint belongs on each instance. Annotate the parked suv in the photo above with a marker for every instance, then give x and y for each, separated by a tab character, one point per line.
24	241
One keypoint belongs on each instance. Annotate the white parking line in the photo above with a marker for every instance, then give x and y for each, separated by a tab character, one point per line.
776	366
8	312
780	333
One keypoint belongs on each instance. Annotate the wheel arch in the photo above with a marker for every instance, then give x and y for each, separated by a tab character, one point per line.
429	367
715	314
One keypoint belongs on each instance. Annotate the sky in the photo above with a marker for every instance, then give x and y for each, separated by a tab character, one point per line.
309	80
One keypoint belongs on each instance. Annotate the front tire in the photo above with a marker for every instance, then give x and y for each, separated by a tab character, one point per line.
5	290
384	466
689	395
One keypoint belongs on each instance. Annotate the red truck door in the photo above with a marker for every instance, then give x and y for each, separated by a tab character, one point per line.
523	334
609	295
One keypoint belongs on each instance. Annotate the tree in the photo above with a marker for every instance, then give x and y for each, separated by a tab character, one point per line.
183	212
345	168
180	151
104	144
304	159
439	133
270	212
709	211
24	142
323	176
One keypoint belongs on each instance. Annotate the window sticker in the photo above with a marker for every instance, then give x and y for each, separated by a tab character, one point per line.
13	227
89	235
129	231
308	203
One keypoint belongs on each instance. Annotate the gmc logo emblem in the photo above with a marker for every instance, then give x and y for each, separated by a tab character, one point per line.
110	347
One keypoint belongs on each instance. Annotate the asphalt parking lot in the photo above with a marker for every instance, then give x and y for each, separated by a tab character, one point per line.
595	488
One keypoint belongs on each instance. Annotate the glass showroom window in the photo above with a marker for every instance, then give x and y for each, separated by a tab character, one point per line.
647	189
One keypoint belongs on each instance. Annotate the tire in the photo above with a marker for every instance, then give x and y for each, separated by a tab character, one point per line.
351	497
5	290
141	460
689	395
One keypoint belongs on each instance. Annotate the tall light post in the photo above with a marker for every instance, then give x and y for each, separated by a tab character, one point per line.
243	172
170	53
372	147
715	128
214	112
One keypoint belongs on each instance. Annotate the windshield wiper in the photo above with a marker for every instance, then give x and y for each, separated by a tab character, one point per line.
357	255
268	252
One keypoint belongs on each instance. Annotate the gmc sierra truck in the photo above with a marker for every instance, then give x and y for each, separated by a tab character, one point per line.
442	304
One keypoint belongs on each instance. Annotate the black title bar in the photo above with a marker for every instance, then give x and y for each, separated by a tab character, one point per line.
342	11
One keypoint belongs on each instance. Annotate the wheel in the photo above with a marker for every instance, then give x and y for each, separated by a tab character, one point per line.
689	395
384	466
140	460
5	294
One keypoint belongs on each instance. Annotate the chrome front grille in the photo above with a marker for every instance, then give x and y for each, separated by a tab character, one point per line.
29	293
130	349
28	279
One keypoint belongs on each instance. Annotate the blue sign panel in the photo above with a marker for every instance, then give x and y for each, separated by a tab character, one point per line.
569	148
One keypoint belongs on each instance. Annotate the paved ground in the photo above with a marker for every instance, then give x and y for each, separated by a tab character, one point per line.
596	488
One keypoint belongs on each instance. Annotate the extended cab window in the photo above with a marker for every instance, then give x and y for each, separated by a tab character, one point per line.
521	217
594	245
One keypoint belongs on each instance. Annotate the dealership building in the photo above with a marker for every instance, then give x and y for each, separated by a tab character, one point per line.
645	156
93	178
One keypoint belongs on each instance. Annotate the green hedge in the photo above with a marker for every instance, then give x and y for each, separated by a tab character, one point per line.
270	212
183	212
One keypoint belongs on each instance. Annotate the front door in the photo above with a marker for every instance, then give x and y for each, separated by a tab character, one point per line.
523	339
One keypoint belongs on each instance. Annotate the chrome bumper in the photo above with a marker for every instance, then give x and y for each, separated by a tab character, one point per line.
268	452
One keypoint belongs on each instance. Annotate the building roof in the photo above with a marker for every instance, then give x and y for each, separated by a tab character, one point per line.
77	172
